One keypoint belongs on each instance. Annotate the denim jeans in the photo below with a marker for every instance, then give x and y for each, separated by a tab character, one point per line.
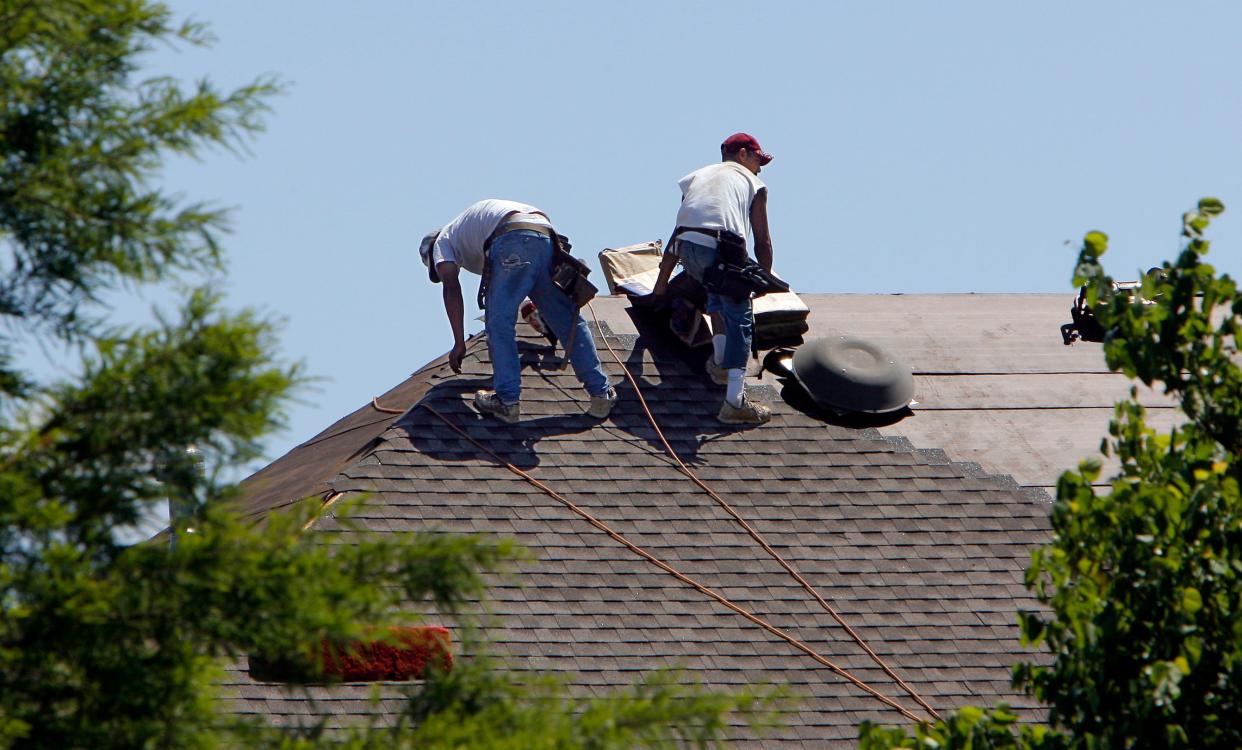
520	261
739	317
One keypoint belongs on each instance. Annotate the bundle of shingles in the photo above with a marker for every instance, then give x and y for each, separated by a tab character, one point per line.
780	319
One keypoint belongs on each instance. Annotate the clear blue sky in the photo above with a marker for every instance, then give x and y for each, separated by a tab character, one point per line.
920	147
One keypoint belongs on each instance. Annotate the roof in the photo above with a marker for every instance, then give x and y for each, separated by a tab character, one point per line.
918	530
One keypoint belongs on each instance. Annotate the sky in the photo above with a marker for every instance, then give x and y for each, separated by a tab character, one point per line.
920	146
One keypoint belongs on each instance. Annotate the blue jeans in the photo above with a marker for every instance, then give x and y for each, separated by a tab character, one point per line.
520	262
739	317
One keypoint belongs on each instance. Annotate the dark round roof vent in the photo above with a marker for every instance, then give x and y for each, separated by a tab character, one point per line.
847	374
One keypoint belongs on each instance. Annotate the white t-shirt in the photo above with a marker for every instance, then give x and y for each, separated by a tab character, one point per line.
718	196
461	240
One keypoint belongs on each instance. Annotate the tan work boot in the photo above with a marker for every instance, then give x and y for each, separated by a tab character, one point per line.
601	405
488	403
748	413
718	374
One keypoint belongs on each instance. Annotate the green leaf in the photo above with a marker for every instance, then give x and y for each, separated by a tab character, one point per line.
1192	649
970	714
1211	206
1192	601
1096	243
1003	715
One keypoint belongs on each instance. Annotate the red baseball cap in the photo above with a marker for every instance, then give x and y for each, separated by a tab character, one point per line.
739	141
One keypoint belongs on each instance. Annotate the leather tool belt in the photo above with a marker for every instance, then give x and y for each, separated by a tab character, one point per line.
568	273
734	274
730	247
514	226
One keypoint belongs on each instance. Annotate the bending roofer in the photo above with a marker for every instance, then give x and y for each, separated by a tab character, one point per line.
722	204
510	245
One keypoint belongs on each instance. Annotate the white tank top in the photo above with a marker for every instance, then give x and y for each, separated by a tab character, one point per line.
461	240
717	196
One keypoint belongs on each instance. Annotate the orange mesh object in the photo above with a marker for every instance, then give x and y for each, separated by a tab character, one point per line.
406	655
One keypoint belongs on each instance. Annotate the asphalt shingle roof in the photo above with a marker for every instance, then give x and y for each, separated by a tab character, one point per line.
921	553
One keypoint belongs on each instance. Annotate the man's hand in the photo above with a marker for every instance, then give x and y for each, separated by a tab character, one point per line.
455	356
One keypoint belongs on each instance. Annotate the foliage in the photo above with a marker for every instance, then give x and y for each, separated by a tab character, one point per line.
81	140
1143	583
480	705
106	645
968	728
1146	581
486	708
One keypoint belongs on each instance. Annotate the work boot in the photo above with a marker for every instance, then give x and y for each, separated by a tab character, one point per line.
748	413
718	374
601	405
487	402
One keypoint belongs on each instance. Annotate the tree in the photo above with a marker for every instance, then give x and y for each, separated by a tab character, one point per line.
1143	583
106	645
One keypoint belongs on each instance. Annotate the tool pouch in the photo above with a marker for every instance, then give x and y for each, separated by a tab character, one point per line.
740	282
731	249
570	274
734	275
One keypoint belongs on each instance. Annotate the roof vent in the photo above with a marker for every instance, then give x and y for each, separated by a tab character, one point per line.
845	375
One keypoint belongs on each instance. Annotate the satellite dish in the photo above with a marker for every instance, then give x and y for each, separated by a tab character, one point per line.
847	374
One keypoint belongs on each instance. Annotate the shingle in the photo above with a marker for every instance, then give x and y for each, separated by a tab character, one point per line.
924	556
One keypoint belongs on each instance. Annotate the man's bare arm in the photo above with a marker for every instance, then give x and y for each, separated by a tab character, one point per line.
759	226
456	311
667	264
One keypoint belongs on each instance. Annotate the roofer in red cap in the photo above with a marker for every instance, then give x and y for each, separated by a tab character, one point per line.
510	245
721	205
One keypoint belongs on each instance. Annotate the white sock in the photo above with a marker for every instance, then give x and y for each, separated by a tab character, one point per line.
737	381
718	344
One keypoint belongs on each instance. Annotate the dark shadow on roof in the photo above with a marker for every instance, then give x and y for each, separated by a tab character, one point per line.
683	401
792	392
